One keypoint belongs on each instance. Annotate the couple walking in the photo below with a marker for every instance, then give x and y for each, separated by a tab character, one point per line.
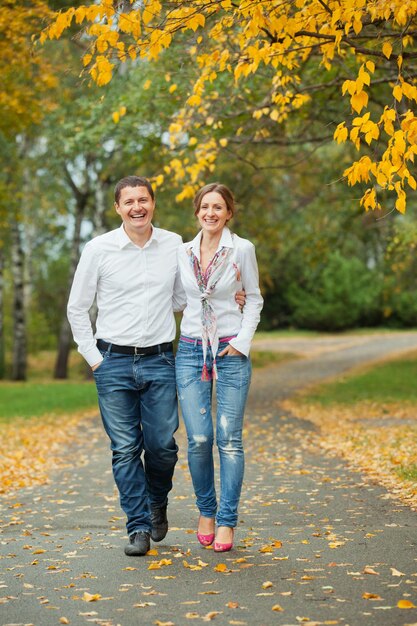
140	276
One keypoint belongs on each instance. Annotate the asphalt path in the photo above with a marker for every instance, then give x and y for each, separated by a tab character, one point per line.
317	543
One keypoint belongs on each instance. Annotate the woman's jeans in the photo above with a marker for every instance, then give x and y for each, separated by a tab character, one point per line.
195	396
138	405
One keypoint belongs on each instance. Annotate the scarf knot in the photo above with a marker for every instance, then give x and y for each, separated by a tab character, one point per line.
206	282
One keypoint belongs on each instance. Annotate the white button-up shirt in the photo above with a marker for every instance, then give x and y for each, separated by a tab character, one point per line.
137	291
241	273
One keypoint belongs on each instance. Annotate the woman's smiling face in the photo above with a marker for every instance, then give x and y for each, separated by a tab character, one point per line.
213	213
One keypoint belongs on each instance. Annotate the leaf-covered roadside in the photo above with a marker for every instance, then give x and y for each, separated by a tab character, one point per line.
31	449
374	437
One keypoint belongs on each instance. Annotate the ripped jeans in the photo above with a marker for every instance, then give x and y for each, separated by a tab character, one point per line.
195	398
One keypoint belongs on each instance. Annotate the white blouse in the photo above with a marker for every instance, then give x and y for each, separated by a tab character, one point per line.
241	272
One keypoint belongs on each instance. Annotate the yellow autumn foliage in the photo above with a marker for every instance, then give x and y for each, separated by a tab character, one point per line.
375	39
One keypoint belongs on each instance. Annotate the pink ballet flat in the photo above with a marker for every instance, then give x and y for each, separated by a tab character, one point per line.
205	540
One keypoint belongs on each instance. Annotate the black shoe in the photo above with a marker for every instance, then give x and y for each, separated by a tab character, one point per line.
139	543
159	522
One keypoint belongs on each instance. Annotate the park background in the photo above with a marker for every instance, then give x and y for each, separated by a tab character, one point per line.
325	262
305	109
314	133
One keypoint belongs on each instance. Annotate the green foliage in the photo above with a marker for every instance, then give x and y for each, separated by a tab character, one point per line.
339	294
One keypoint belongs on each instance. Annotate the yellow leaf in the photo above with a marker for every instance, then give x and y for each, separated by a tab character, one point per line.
398	92
400	203
341	133
223	142
147	84
371	596
370	570
395	572
172	88
267	584
122	111
277	607
387	49
87	59
64	620
116	117
130	569
405	604
359	100
39	551
221	567
88	597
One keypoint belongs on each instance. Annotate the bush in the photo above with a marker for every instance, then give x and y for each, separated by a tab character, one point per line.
342	294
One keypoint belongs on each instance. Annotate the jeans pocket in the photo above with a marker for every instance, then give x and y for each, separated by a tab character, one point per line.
235	371
168	357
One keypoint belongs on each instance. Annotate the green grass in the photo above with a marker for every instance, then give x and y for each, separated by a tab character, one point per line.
263	358
393	381
32	399
408	472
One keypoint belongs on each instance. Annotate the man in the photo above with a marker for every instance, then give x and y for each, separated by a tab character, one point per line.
133	272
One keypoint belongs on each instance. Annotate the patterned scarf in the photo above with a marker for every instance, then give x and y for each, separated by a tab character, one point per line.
207	282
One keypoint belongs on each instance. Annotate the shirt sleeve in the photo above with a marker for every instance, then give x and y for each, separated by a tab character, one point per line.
254	301
179	299
83	292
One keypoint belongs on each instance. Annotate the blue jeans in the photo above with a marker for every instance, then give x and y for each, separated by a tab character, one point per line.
195	398
138	405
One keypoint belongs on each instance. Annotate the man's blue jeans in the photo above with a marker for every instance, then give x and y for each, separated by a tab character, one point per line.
138	405
195	398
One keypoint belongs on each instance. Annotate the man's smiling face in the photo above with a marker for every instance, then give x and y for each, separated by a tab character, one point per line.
136	209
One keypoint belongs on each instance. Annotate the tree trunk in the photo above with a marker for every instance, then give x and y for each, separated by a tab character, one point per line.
2	355
19	363
65	335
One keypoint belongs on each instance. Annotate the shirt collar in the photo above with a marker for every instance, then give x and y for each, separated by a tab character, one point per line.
226	241
125	240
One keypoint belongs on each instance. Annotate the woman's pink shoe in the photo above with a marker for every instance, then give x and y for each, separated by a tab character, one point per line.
218	546
205	540
222	547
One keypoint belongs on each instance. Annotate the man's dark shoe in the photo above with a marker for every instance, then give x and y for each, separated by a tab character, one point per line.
159	522
139	543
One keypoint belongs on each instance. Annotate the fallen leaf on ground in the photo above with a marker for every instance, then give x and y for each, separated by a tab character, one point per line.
267	584
395	572
370	570
406	604
371	596
221	567
277	607
88	597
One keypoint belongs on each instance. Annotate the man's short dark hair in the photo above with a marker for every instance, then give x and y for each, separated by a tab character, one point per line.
132	181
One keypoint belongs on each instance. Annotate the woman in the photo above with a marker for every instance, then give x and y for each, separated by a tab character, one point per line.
214	345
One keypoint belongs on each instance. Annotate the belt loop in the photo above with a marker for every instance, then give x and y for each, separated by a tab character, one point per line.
159	348
136	351
109	348
195	343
